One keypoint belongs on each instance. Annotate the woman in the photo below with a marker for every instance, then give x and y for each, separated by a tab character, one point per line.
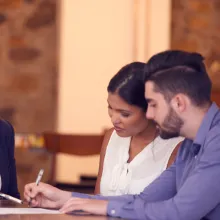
132	154
7	162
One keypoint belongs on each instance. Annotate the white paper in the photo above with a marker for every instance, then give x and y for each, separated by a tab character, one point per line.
6	211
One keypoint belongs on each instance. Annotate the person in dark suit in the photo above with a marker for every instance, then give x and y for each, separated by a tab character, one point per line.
7	160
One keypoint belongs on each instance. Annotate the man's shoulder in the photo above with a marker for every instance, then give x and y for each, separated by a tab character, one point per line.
184	149
214	133
5	127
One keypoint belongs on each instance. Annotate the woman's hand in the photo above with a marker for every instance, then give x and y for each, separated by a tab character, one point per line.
45	196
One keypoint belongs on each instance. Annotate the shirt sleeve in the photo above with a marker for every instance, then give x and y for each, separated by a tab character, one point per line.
13	188
198	196
122	198
127	206
160	189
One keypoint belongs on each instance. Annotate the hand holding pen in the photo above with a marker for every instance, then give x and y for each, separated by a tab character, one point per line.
46	196
39	177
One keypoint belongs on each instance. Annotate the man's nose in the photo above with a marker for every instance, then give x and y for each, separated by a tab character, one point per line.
150	114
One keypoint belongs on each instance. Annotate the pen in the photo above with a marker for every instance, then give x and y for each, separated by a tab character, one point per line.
39	177
11	198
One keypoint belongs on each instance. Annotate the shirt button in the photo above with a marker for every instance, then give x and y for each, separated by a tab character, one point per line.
112	211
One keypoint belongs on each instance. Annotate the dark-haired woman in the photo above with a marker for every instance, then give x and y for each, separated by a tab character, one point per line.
132	155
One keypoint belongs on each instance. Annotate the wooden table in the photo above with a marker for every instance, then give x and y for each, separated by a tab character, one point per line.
8	204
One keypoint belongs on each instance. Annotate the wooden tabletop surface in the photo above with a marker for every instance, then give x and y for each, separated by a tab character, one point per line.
8	204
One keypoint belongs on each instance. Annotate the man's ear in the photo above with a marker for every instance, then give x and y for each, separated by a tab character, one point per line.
179	103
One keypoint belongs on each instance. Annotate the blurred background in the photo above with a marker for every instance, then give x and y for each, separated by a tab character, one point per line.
57	57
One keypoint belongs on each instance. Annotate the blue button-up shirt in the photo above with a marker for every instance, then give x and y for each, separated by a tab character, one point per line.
188	190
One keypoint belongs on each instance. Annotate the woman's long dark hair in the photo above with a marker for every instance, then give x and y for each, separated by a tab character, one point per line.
129	84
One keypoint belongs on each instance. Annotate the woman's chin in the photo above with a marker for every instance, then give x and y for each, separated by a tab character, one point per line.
122	133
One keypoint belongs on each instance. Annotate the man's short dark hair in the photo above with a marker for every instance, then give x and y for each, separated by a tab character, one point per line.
176	71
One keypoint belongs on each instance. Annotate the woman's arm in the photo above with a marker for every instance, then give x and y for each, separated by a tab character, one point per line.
101	160
10	142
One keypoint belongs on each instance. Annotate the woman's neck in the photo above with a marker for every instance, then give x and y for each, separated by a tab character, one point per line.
141	140
148	134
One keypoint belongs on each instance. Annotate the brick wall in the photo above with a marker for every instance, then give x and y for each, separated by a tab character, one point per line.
196	27
28	64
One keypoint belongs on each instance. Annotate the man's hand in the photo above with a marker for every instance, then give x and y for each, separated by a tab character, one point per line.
97	207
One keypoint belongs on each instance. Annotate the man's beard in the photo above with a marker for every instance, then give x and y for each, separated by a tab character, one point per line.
171	126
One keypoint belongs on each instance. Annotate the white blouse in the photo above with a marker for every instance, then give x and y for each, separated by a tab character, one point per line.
120	177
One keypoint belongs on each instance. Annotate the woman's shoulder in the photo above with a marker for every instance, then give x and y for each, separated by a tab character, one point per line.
114	138
116	144
108	133
107	137
170	140
168	143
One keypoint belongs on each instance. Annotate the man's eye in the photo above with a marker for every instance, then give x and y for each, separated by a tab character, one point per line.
152	105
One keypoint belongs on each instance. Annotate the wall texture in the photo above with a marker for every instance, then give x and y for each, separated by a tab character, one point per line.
196	27
28	64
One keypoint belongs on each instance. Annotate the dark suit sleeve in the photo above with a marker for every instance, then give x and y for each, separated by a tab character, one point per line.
13	188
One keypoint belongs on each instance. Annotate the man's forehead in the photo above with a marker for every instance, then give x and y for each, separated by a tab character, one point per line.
149	85
150	93
149	88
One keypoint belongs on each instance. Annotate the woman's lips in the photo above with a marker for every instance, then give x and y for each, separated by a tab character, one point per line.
118	128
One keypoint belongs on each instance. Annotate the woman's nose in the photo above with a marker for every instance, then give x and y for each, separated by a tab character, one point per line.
115	119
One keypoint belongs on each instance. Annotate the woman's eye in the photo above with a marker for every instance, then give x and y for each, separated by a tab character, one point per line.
125	115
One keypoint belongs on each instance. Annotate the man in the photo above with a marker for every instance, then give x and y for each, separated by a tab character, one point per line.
178	92
8	175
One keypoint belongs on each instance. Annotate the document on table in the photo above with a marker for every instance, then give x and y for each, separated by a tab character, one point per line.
6	211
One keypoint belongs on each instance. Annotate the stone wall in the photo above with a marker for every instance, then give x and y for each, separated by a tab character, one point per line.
28	64
196	27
